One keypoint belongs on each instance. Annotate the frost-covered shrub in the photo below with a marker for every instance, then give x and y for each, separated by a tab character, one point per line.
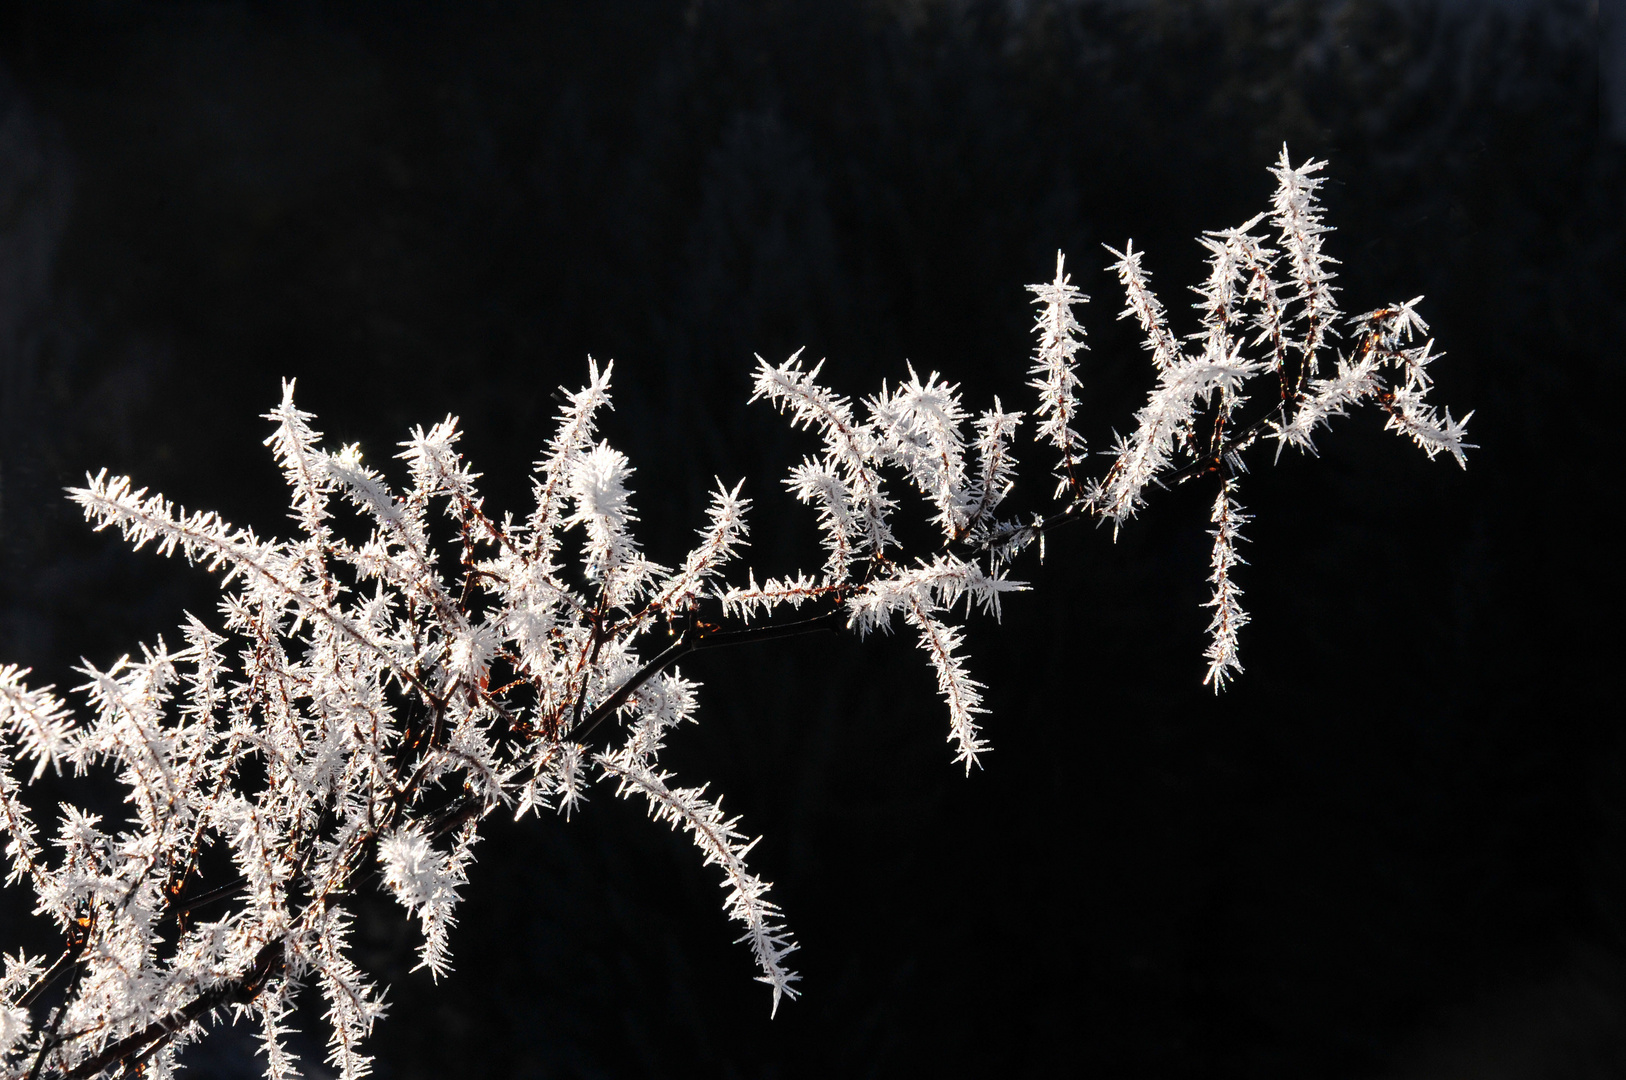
410	661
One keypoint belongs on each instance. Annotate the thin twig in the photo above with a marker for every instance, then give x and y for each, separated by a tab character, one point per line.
695	639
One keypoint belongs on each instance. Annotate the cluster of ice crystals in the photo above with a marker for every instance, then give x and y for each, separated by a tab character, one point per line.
426	881
1228	519
369	695
1188	427
920	430
1055	364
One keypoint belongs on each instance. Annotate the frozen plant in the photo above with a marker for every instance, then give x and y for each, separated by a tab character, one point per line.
1254	323
409	662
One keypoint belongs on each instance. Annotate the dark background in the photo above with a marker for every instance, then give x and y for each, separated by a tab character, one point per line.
1396	849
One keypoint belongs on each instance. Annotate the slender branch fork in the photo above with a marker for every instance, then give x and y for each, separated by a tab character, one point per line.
1223	452
1083	505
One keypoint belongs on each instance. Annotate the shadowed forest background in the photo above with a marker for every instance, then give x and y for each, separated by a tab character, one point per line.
1397	848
